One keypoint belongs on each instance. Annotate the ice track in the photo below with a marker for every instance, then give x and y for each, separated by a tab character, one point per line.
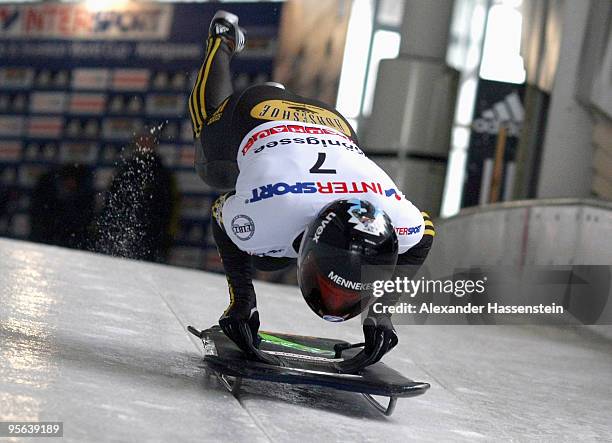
100	344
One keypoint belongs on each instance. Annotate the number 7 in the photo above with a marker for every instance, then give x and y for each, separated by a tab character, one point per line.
316	169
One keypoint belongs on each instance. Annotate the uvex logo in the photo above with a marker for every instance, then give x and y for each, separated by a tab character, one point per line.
322	226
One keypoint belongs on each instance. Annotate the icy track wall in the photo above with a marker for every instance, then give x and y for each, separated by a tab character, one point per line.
571	233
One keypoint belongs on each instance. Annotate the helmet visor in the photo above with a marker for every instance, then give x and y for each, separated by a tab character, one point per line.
327	294
334	284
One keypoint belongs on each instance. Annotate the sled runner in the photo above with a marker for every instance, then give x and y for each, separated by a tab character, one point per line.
305	361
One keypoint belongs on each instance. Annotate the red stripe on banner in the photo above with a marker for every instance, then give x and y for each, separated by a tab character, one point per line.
44	128
45	124
130	83
124	79
119	81
48	127
88	79
87	104
131	77
10	151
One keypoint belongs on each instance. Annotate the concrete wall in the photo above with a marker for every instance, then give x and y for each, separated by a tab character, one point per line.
413	105
602	158
563	232
567	153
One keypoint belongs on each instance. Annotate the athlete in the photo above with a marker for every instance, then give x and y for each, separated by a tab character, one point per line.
299	188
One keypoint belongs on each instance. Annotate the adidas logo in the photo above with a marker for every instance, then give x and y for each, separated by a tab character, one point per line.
508	111
220	28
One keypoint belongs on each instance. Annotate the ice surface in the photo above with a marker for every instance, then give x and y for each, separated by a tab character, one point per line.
100	344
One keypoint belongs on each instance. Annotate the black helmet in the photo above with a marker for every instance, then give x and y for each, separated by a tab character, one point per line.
344	236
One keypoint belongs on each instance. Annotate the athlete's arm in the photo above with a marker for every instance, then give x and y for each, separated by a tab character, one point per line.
416	255
410	261
378	330
240	321
238	268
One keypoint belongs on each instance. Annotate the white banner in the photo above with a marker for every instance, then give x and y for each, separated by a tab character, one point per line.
128	21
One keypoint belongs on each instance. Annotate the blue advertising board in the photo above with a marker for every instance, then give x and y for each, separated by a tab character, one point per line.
77	82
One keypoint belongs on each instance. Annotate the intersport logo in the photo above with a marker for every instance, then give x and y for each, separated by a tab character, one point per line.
276	189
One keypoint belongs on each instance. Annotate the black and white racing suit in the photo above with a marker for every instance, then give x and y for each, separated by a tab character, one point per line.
283	157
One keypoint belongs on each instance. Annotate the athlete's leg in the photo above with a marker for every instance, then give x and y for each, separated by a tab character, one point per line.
213	83
215	161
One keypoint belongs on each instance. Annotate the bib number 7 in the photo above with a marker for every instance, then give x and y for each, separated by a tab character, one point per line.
316	169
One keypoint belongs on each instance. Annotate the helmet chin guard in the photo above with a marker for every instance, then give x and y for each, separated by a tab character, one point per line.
345	236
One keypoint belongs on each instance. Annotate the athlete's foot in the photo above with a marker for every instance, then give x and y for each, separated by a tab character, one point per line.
225	24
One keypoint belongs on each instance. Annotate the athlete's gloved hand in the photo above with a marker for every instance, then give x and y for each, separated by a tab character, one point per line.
240	322
380	338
